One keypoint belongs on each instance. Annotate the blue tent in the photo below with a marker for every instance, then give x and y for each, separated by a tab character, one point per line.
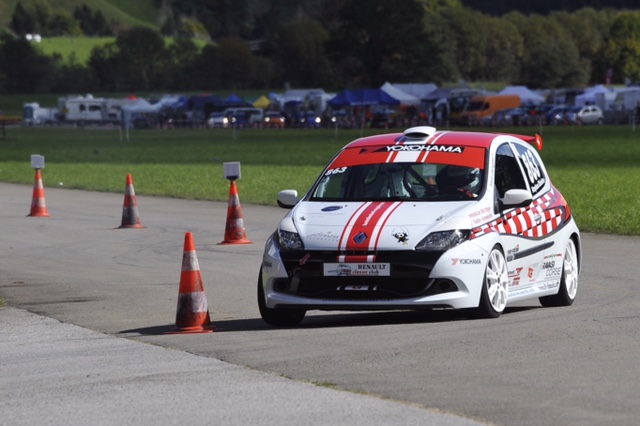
181	103
234	100
362	97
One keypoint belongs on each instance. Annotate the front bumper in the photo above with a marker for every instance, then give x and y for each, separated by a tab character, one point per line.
416	280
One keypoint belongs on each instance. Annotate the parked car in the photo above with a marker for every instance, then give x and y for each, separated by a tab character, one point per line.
274	119
423	220
587	114
342	119
252	116
511	117
557	115
309	119
217	120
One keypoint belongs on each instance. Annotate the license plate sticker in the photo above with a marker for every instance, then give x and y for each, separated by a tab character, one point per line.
357	269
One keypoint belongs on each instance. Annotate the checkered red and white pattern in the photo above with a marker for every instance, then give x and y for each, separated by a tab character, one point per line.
540	219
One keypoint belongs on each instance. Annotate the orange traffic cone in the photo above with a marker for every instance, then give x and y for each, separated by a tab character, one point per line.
193	310
130	217
38	205
234	232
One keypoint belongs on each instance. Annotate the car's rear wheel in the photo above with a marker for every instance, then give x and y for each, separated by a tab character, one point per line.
495	286
278	317
569	280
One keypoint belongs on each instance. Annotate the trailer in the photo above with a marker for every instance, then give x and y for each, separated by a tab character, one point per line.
34	114
87	110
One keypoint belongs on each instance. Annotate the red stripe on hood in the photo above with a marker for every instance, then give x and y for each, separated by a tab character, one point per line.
364	220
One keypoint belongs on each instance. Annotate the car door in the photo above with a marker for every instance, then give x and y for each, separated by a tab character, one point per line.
523	244
547	211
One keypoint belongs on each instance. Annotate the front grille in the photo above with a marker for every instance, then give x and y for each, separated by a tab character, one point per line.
409	277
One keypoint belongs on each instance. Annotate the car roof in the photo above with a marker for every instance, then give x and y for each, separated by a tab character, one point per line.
462	148
456	138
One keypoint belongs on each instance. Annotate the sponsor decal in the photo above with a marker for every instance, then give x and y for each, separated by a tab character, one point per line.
339	270
536	186
371	214
530	273
360	238
458	261
521	292
514	250
422	148
515	276
356	269
551	256
553	272
323	236
267	264
331	208
402	235
481	215
548	265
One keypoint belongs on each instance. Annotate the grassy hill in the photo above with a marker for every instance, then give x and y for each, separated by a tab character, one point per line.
126	13
118	13
78	48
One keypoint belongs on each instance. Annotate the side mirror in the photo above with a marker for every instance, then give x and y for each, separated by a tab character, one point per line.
288	198
516	198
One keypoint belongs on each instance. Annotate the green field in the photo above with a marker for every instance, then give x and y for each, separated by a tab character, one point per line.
77	50
596	168
73	50
125	12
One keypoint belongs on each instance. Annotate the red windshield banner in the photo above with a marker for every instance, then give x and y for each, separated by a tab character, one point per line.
412	153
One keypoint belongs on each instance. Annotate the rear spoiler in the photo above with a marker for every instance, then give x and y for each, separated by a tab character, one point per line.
533	140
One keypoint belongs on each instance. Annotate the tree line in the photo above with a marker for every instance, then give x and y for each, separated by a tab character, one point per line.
335	44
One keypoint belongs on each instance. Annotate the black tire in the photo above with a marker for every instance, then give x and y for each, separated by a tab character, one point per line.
569	280
495	286
278	317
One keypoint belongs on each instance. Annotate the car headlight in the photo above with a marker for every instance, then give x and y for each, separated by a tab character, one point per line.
443	240
289	240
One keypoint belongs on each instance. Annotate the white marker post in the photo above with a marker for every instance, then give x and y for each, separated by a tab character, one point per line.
37	161
232	170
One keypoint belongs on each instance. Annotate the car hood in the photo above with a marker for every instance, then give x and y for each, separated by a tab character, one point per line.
368	226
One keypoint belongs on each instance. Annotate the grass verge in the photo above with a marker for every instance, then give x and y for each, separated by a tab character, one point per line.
594	167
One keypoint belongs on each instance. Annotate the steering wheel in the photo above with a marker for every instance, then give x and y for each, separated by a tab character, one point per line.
429	190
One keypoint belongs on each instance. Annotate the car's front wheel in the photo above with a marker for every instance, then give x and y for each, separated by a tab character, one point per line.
569	281
278	317
495	286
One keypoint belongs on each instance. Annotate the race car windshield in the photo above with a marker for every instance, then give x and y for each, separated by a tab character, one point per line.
399	181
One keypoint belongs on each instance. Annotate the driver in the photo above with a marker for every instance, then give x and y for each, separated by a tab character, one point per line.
459	179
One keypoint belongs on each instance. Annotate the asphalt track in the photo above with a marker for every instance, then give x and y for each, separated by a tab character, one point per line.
85	337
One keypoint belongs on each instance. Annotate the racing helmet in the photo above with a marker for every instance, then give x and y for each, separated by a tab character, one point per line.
461	178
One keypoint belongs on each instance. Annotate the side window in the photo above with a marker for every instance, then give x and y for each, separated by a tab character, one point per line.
533	170
508	174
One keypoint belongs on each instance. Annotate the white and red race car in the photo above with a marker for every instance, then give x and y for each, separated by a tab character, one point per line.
423	219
